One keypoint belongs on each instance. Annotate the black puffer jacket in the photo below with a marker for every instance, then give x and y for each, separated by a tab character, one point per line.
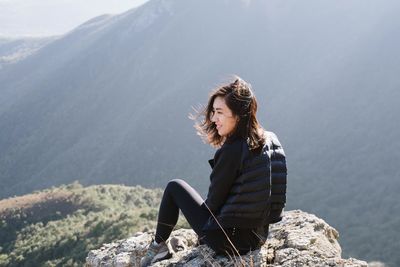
240	192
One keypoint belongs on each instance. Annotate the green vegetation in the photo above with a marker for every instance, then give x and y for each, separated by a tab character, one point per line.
58	226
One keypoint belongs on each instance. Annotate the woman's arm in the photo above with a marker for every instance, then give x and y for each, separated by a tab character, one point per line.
225	171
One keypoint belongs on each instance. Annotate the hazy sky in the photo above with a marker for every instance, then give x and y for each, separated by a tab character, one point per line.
54	17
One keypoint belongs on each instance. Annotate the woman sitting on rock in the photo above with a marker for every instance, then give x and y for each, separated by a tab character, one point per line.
235	217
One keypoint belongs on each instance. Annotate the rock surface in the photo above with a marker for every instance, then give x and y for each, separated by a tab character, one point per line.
300	239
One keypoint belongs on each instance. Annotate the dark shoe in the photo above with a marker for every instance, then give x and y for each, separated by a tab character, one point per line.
155	253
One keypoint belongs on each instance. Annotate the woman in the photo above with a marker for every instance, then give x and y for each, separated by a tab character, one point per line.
235	217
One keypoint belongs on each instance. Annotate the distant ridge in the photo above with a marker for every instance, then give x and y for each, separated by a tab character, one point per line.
13	50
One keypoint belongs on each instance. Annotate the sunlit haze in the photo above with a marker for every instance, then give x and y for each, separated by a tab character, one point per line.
54	17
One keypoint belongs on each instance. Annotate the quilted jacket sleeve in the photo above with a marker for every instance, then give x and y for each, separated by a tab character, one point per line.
278	180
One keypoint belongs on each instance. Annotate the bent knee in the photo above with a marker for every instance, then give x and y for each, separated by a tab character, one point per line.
174	183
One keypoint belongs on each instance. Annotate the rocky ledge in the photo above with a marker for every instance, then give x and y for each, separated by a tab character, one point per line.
300	239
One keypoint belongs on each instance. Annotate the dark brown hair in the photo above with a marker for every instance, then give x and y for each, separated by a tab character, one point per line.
242	102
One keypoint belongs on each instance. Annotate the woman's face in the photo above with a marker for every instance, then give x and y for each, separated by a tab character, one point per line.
223	117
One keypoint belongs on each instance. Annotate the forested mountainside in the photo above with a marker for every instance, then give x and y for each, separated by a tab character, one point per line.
58	226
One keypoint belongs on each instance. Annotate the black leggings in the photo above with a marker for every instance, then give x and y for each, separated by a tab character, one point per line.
180	195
